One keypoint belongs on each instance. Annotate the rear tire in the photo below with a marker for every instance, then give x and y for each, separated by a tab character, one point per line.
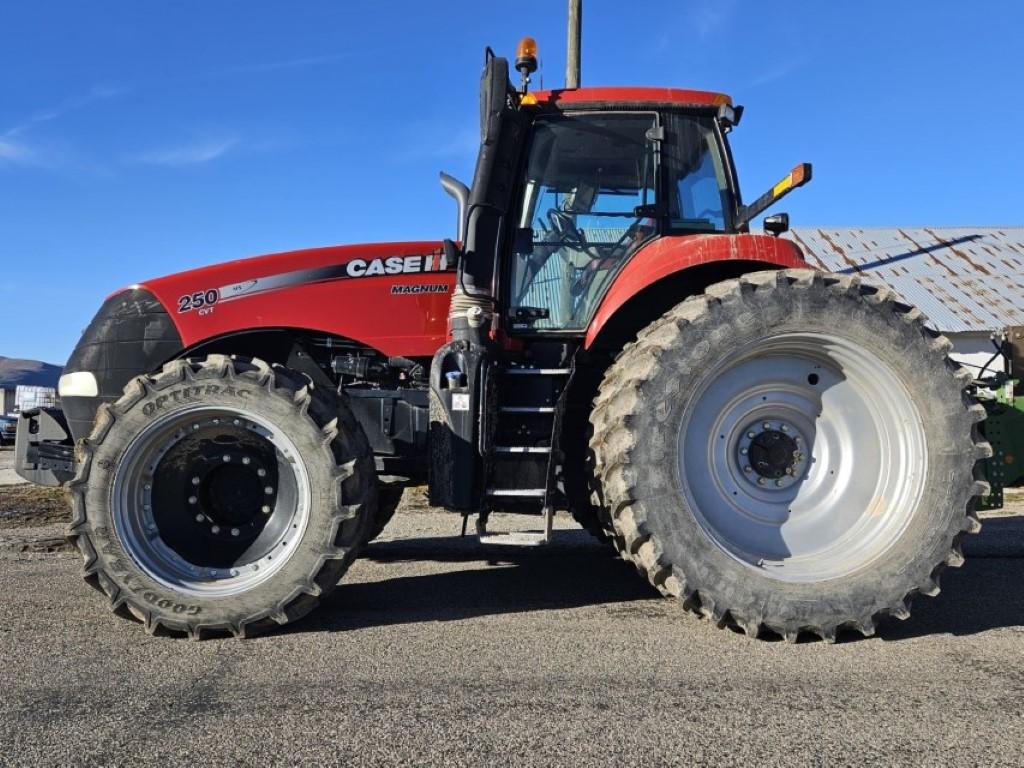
791	451
221	495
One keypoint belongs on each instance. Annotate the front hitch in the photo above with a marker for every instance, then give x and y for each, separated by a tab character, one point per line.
44	452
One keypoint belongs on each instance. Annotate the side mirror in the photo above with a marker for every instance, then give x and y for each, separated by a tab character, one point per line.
452	254
776	224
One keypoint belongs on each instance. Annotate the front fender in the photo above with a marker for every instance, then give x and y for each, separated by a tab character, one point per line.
668	256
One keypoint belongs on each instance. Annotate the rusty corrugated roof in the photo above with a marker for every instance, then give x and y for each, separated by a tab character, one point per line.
962	278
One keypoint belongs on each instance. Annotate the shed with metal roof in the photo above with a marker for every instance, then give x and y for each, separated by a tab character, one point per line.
968	281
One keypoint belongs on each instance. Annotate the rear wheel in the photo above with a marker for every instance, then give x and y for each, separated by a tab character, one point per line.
221	495
808	457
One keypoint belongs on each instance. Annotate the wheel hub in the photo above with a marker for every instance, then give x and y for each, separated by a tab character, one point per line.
772	453
232	491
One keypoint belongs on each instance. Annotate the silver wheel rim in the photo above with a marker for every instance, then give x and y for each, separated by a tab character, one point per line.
803	456
255	550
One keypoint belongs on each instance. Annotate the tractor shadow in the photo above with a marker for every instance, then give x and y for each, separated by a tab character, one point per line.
986	593
468	581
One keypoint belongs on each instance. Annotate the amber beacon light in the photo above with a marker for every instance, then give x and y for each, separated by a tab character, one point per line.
526	57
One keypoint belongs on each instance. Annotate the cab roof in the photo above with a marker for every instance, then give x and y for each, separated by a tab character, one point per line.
583	97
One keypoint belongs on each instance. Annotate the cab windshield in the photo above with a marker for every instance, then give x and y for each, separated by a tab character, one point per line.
590	198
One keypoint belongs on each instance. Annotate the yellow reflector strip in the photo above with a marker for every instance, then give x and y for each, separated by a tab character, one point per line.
782	186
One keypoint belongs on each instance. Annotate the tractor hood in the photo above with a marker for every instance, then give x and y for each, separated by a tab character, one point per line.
390	296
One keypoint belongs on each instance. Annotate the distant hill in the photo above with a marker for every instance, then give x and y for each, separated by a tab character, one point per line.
30	372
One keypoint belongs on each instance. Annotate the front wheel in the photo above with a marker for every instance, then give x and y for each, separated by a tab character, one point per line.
221	495
790	451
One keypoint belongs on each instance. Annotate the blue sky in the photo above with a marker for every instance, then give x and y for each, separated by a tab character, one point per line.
139	138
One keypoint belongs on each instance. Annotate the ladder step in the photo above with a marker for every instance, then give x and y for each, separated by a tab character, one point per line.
520	449
515	539
537	371
529	493
527	409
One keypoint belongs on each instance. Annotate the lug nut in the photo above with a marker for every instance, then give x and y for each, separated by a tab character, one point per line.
785	428
743	451
199	518
760	481
747	469
195	481
751	435
268	490
193	500
195	427
766	425
215	529
265	509
246	460
226	457
261	472
234	531
778	483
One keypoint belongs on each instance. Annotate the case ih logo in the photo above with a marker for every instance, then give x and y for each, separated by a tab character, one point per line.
350	270
396	265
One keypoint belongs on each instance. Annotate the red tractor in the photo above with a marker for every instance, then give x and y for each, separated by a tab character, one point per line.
780	449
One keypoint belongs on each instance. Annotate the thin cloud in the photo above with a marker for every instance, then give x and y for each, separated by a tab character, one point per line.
94	94
712	15
275	66
774	73
16	153
195	153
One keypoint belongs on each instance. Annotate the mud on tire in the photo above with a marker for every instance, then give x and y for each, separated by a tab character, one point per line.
127	505
692	439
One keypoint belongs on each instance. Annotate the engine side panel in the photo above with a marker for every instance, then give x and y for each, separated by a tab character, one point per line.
670	255
392	297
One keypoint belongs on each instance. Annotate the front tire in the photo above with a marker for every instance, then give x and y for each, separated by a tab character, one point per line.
221	495
790	451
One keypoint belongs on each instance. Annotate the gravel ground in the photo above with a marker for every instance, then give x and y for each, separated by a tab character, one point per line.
435	650
7	474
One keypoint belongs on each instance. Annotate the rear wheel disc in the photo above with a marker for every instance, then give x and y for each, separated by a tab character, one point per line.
792	448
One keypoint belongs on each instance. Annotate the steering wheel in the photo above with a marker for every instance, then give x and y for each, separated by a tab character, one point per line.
563	225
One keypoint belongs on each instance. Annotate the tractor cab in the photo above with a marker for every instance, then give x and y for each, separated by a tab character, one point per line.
570	187
570	184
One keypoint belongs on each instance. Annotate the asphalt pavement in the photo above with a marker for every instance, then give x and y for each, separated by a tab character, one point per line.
435	650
